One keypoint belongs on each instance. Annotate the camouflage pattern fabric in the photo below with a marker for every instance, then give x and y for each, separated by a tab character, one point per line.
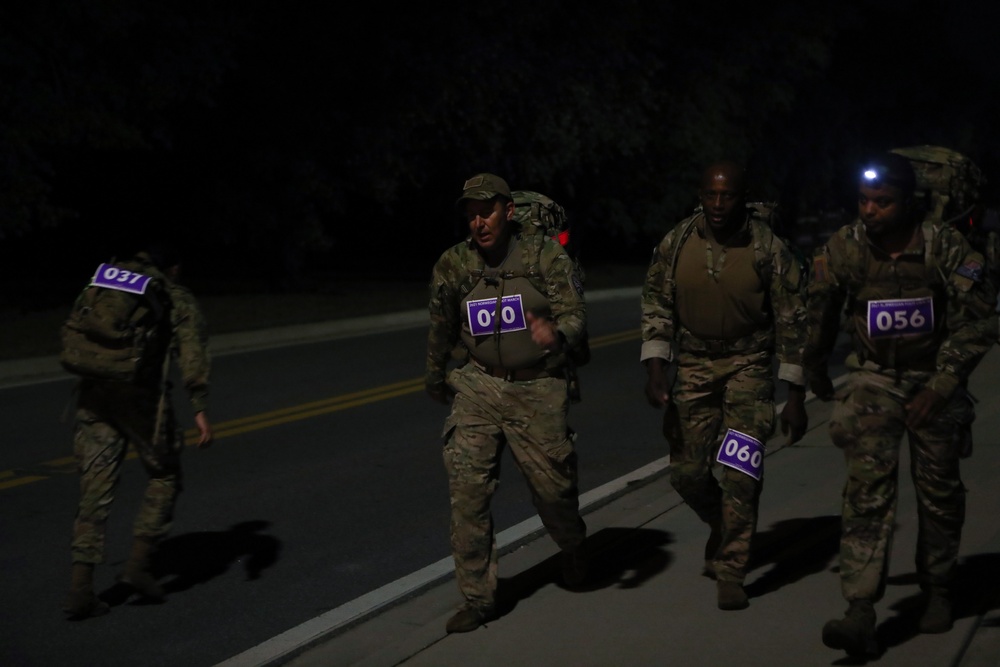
723	384
455	274
845	272
112	415
777	268
489	413
868	423
109	416
710	396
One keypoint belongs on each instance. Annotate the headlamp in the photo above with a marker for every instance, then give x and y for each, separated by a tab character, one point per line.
870	174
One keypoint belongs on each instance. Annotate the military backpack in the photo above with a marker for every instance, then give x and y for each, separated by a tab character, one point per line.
948	184
119	326
534	210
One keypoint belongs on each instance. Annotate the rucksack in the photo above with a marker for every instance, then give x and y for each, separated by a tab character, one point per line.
534	210
949	183
119	326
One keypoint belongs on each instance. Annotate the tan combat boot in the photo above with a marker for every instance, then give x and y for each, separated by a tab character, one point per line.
82	602
137	574
855	633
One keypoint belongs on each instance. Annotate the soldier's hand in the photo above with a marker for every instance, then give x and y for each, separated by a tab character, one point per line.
657	390
794	418
441	393
822	386
543	332
923	406
205	434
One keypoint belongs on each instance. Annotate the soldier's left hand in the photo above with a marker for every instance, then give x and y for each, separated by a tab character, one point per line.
205	434
794	418
923	406
543	332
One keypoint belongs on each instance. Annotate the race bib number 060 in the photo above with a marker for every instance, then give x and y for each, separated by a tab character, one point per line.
119	279
482	315
742	452
900	317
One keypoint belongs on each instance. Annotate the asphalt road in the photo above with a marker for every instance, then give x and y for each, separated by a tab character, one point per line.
325	483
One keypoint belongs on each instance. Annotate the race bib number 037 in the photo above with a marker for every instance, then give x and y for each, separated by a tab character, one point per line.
122	280
483	319
742	452
900	317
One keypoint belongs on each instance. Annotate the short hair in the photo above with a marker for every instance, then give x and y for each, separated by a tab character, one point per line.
890	169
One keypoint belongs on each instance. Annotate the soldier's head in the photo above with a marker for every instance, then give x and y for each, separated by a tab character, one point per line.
886	193
723	196
487	207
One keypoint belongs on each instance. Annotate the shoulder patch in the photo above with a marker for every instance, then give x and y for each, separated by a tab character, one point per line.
578	284
972	270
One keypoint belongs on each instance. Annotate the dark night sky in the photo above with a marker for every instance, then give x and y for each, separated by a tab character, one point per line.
267	121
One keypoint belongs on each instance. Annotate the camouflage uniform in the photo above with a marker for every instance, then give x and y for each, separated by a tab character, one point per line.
112	414
885	373
724	383
525	408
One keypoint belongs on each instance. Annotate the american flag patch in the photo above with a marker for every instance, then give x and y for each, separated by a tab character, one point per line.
972	270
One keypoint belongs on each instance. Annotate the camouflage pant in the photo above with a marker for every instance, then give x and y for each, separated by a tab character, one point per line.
109	416
711	396
530	417
868	423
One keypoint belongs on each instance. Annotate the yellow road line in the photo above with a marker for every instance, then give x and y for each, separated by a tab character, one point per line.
233	427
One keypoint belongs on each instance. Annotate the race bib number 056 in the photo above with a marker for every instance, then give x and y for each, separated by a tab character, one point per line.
122	280
742	452
482	315
900	317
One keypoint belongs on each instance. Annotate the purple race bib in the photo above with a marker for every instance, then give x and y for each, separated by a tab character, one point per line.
900	317
742	452
482	315
113	277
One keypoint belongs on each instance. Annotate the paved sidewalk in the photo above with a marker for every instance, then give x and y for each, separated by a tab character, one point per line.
647	604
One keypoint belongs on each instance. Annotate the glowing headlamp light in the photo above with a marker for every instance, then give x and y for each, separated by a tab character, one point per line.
870	174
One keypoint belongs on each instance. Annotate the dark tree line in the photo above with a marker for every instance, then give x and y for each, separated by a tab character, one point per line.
279	139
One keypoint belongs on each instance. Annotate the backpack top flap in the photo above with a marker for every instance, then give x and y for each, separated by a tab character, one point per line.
118	328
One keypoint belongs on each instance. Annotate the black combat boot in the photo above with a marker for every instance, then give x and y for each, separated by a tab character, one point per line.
855	633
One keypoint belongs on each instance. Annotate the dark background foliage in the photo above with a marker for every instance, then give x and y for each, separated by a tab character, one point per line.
280	141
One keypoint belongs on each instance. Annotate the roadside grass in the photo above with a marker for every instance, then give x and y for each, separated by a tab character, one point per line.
230	309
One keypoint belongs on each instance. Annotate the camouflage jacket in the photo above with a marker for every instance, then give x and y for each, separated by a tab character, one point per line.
189	337
778	270
851	275
458	269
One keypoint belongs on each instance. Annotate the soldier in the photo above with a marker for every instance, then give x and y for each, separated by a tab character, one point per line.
920	315
722	297
111	414
515	304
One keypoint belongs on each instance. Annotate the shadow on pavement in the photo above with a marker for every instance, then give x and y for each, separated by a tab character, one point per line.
622	557
796	548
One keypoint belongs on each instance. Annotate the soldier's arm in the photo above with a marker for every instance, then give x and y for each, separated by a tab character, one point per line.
190	342
826	293
657	324
564	290
444	319
789	310
971	318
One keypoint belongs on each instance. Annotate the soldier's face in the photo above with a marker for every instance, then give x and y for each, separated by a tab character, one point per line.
489	222
881	208
721	198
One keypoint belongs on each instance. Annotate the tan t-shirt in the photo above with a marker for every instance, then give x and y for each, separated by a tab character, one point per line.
719	294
